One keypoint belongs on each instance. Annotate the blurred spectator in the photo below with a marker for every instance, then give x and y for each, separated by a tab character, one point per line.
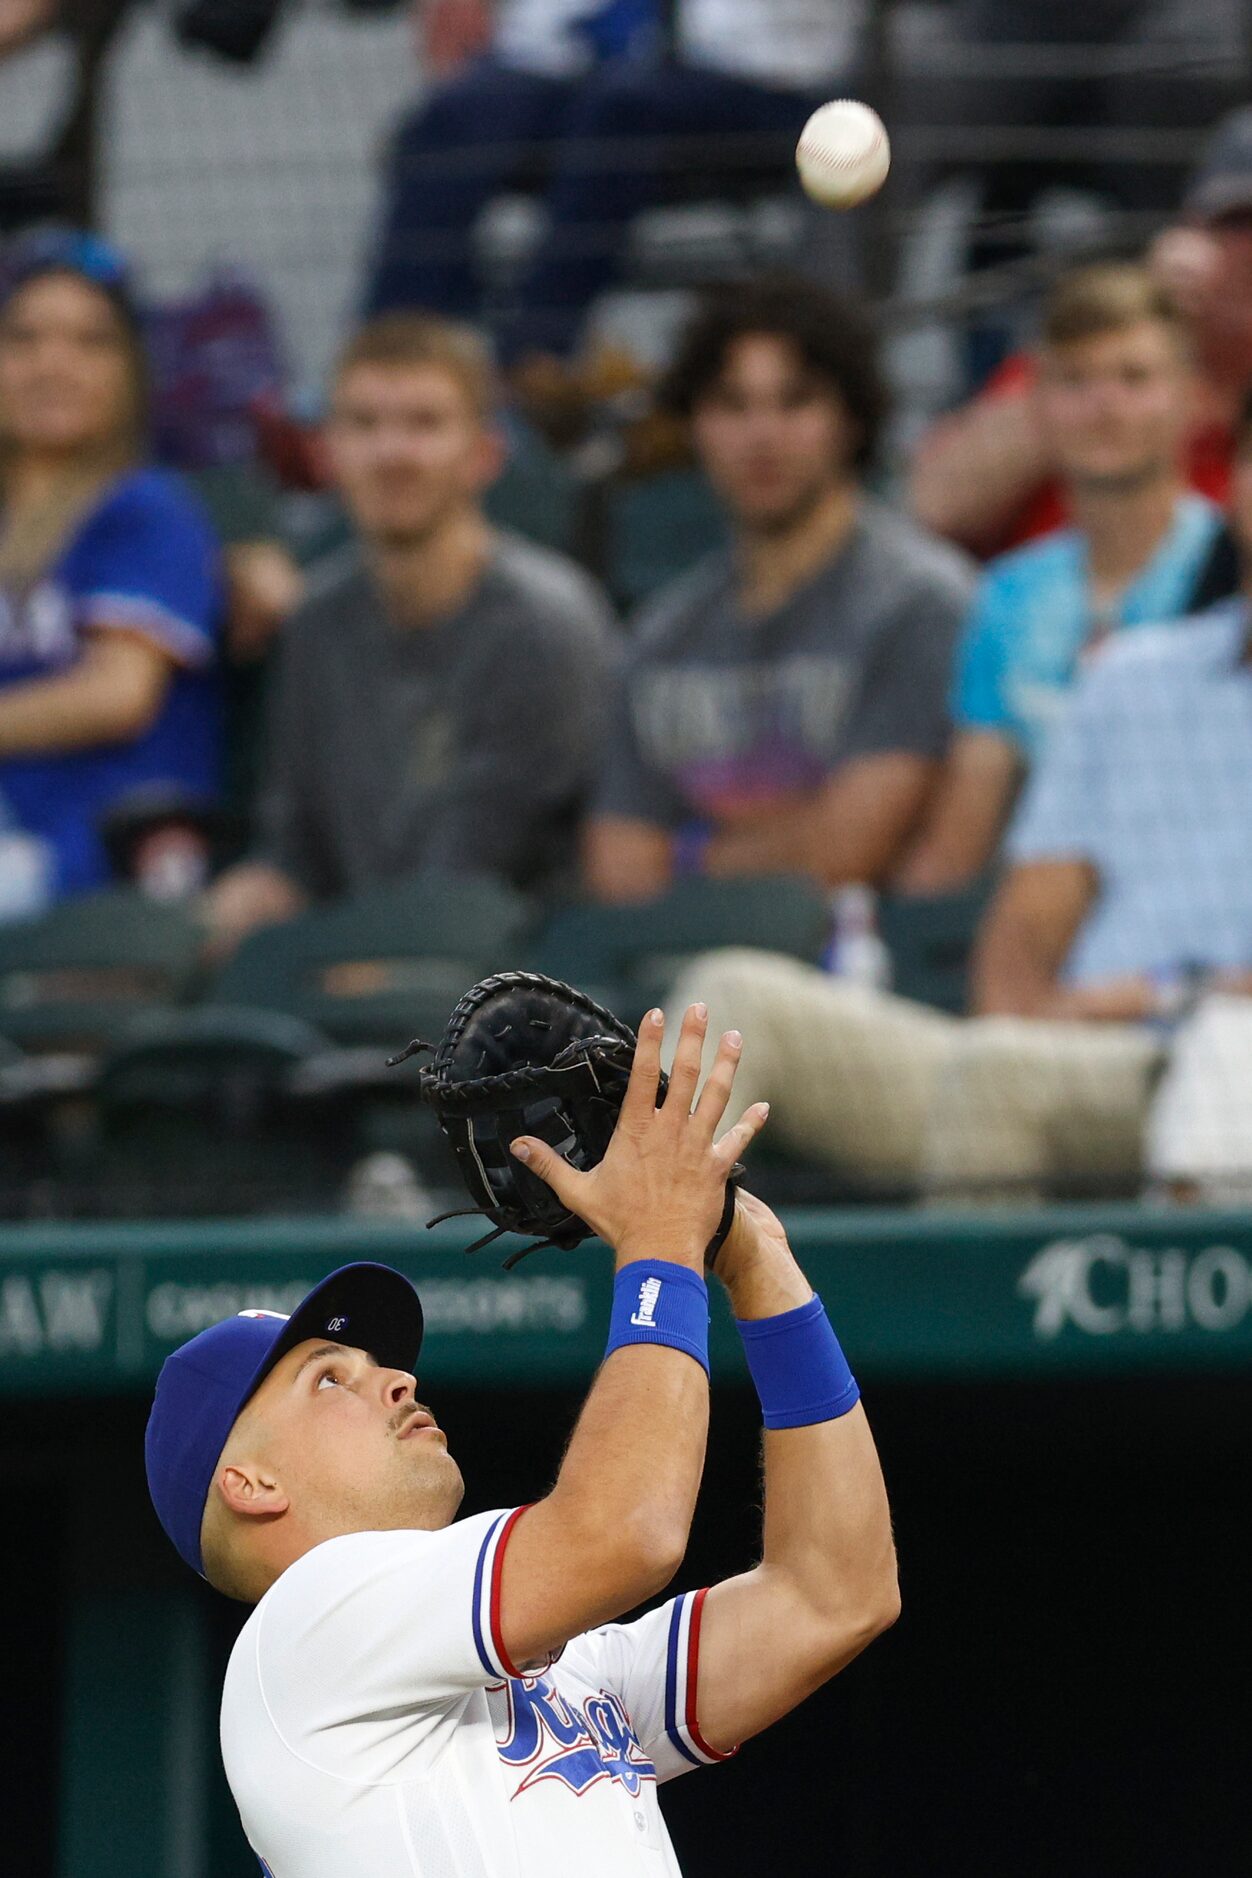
439	697
219	385
784	709
61	182
725	110
1127	904
491	123
576	98
986	474
1018	72
1114	379
109	583
24	20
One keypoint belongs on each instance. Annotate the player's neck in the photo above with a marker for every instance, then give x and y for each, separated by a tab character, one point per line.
426	580
1125	527
773	563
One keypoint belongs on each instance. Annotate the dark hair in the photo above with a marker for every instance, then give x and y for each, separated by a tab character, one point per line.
129	324
830	332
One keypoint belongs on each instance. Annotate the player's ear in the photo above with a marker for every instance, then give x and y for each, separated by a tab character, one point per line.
250	1489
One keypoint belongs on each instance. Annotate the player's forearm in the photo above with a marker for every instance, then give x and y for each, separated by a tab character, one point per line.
615	1525
632	1471
761	1282
826	1585
827	1530
628	1495
614	1528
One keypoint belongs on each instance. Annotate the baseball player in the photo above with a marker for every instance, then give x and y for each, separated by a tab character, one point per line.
417	1694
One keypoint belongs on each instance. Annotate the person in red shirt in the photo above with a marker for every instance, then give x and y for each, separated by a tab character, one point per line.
984	476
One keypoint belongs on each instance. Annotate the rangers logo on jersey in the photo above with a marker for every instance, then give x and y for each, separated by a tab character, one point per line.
551	1739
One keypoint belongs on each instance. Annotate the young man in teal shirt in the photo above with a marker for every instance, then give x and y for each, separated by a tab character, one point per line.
1114	388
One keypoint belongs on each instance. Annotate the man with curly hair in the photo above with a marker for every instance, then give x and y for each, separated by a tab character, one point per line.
785	707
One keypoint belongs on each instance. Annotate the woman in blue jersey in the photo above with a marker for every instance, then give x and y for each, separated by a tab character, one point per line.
110	596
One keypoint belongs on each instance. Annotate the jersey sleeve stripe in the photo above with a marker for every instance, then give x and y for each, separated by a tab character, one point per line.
493	1603
675	1669
481	1603
188	643
693	1680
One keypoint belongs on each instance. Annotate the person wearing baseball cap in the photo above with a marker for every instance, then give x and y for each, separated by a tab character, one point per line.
207	1385
394	1704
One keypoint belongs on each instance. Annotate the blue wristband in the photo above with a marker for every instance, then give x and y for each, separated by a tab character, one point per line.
656	1301
801	1374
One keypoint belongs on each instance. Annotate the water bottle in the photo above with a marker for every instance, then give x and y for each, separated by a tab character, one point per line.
25	870
856	951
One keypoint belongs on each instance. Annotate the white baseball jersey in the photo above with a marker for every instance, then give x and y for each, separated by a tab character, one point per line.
374	1727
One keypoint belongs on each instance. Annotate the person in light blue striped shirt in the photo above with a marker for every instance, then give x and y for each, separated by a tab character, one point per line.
1113	404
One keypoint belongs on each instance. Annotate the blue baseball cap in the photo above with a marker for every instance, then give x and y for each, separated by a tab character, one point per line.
57	249
205	1383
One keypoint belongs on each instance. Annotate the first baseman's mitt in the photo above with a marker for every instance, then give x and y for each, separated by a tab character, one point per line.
528	1055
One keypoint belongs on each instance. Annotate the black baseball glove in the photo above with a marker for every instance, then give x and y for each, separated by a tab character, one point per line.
528	1055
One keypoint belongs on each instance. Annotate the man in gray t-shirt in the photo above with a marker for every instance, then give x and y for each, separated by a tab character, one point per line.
441	695
467	746
784	706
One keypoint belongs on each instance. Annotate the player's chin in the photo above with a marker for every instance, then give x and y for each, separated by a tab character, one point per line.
428	1454
442	1487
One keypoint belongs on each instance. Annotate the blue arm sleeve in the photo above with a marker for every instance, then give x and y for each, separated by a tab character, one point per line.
148	561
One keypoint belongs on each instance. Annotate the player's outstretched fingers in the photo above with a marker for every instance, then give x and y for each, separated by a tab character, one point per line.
685	1071
551	1167
639	1102
718	1084
733	1143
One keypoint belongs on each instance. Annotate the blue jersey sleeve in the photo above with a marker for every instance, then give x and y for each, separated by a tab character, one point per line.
978	698
147	560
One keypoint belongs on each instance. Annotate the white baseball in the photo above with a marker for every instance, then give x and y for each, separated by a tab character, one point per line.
843	154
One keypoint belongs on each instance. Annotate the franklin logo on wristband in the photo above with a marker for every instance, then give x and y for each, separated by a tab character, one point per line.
657	1301
645	1317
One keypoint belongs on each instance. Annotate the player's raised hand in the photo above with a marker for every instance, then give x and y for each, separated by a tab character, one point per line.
660	1189
756	1265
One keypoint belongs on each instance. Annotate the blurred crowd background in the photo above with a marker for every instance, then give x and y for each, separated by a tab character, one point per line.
462	508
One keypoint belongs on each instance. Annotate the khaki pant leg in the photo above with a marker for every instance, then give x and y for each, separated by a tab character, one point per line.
848	1072
1020	1102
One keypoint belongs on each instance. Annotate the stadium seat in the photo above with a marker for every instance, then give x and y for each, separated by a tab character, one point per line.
931	942
72	979
385	966
200	1113
24	1146
534	493
628	956
656	528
